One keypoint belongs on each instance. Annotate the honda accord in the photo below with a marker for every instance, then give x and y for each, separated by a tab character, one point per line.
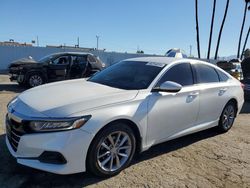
99	124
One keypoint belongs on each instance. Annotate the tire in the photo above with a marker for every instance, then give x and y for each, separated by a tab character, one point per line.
102	151
35	79
227	117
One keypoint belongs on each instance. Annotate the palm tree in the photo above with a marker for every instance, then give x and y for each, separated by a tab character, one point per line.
245	43
242	27
221	29
211	31
197	29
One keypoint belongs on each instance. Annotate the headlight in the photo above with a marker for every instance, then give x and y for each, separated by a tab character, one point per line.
12	101
58	125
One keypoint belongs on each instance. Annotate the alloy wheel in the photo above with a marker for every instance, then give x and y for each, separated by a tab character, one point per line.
35	80
114	151
228	117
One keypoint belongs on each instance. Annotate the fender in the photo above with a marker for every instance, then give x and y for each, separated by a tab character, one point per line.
40	71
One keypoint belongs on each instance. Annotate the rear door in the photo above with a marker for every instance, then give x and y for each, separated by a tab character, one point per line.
79	66
213	93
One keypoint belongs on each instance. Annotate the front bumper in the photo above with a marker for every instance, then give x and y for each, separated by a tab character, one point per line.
73	145
16	77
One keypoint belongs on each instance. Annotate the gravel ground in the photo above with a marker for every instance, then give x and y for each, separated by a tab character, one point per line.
205	159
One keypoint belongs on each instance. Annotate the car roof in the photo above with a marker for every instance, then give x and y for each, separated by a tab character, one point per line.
71	53
164	60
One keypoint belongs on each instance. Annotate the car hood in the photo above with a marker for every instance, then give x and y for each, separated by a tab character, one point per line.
62	99
23	61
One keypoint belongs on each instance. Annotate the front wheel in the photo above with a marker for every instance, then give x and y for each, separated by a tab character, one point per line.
35	79
112	150
227	117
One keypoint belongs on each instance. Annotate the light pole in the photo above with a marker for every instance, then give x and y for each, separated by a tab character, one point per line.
190	50
37	41
97	41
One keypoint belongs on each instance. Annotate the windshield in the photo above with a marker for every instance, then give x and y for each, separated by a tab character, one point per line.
129	75
46	58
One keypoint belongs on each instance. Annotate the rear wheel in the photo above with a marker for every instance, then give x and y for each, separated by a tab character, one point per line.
112	150
227	117
35	79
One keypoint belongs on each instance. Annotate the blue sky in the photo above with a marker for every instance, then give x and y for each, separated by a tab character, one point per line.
123	25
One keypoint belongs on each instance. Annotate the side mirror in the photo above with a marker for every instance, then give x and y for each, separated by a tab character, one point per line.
168	86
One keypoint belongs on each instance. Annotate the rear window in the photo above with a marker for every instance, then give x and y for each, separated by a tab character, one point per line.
223	77
206	74
91	59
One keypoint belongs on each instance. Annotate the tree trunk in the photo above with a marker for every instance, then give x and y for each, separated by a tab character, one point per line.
197	29
241	31
211	31
245	43
221	29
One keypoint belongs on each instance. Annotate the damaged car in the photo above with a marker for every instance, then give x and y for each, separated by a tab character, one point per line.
54	67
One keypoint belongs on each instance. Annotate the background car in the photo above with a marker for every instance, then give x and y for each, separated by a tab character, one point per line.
100	123
237	71
54	67
233	67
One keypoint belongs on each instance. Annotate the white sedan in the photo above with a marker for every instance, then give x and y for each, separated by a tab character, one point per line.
100	123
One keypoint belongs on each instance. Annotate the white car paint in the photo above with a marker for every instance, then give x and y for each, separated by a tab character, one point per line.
158	116
68	97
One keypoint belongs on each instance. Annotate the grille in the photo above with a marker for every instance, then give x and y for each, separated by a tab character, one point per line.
14	132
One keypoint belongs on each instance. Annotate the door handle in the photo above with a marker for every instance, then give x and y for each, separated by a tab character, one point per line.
222	91
194	94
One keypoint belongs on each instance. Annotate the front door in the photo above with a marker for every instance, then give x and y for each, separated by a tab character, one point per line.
170	114
58	68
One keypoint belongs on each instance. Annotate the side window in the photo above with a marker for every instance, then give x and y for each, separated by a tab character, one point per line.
206	74
79	60
181	74
62	60
223	76
91	59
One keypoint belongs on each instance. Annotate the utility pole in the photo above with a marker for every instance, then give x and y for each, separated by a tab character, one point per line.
77	42
190	52
37	41
97	41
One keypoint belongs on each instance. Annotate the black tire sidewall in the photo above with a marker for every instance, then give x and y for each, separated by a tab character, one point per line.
91	161
221	127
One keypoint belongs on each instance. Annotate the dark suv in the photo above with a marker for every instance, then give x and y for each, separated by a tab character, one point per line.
54	67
